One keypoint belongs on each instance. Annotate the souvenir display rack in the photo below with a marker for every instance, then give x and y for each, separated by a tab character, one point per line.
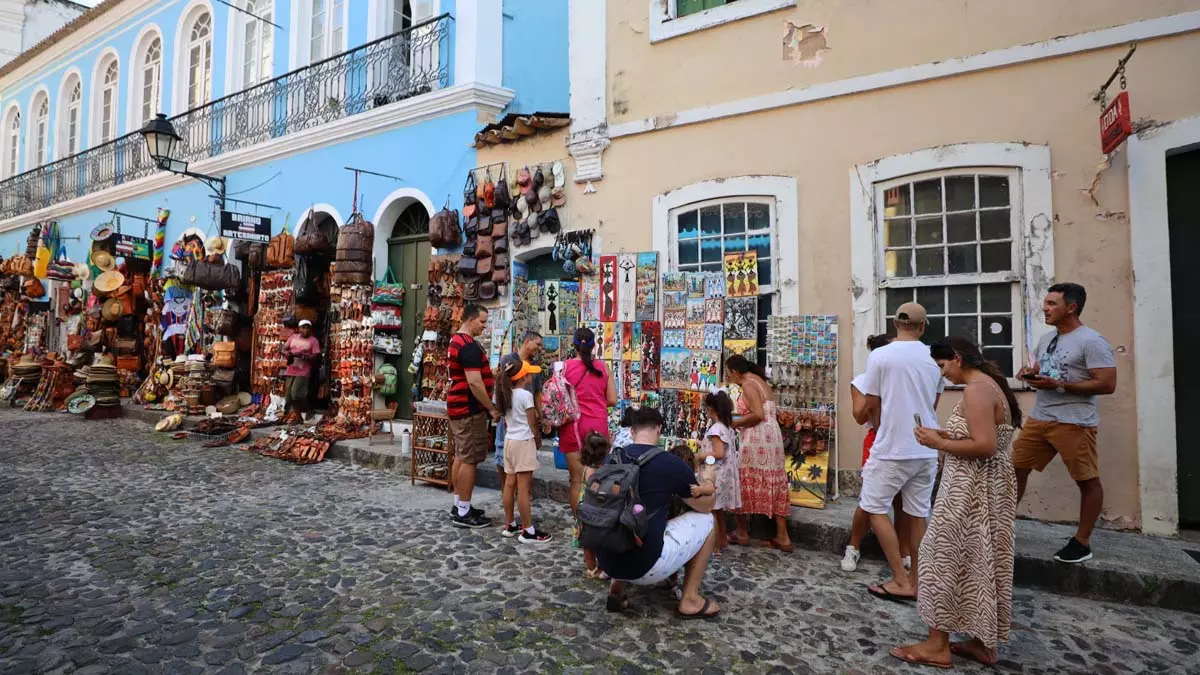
276	299
443	315
432	449
352	362
802	353
387	305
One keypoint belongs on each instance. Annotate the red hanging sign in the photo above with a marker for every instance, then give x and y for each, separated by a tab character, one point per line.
1116	125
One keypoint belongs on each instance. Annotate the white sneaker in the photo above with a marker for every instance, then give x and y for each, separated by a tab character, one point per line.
907	562
850	560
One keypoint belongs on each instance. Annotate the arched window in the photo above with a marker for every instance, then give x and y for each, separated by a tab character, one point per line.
258	43
327	29
151	81
199	61
39	150
107	113
12	142
70	116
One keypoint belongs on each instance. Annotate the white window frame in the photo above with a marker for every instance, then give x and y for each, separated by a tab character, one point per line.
39	143
1011	278
264	44
70	103
777	191
108	89
665	22
12	142
1032	209
305	38
182	54
141	75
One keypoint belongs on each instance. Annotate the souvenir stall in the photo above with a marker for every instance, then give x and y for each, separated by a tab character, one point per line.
802	352
276	302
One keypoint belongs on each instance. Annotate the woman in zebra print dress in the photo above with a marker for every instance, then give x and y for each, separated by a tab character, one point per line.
966	558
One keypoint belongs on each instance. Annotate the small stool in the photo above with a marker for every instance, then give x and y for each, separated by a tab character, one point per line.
383	416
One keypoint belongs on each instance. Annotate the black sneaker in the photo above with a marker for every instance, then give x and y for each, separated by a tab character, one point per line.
511	530
472	520
474	511
538	537
1074	552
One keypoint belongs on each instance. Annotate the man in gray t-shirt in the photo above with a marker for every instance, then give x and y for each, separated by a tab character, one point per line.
1075	364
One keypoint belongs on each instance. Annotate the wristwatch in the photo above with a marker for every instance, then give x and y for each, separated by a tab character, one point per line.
710	460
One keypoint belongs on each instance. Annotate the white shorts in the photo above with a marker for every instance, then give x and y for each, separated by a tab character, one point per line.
912	479
684	538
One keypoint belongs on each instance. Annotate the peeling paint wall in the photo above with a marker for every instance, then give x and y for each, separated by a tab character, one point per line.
804	45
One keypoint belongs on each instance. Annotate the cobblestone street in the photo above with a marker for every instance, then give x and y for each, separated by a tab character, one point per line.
123	552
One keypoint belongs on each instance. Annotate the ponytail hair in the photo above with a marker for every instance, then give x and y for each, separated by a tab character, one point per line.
971	357
504	391
720	403
741	365
585	342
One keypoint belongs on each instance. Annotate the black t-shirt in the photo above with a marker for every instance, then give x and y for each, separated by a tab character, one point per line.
663	477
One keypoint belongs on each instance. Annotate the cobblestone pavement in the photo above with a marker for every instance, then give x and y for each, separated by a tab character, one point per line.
122	552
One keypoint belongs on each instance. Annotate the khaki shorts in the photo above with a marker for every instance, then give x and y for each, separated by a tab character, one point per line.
1040	441
520	456
472	443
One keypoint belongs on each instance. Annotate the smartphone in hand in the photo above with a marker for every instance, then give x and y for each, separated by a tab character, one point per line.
917	419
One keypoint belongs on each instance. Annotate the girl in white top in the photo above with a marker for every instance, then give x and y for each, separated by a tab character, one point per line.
522	438
719	448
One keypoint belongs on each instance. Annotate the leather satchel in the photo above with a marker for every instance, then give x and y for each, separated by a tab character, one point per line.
443	229
483	267
466	267
483	247
222	321
212	276
281	251
224	354
310	240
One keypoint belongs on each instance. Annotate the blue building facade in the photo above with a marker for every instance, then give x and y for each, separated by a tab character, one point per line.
277	98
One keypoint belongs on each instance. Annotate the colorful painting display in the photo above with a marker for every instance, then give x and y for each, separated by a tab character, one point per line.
647	287
608	288
627	287
741	275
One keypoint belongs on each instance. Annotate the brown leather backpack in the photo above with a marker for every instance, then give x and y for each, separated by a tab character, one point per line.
443	229
281	252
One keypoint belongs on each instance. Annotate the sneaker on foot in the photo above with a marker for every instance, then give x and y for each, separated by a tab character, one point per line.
907	562
511	530
1073	552
472	520
538	537
474	511
850	560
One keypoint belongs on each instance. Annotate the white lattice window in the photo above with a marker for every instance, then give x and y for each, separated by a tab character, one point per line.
327	29
40	151
151	80
951	241
702	233
71	117
106	114
12	143
199	61
258	42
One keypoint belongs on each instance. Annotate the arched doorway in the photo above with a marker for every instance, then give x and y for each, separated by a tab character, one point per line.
408	254
311	283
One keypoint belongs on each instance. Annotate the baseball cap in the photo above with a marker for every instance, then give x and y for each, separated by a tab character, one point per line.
516	369
910	313
305	322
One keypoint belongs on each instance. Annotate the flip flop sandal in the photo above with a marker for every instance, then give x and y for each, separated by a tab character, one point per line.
884	594
734	541
701	615
900	654
789	548
957	649
617	604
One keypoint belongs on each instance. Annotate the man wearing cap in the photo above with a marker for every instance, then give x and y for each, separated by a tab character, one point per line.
902	384
301	349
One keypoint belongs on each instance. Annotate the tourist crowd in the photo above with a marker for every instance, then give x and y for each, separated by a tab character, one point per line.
941	498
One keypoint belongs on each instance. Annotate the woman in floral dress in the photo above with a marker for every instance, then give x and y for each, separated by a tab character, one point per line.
762	466
966	558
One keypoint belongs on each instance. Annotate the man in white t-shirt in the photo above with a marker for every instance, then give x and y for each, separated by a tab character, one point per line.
902	382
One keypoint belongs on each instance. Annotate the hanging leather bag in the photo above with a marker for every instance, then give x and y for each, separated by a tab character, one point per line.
483	247
443	229
356	241
224	354
310	240
470	189
221	321
281	251
503	195
212	276
33	287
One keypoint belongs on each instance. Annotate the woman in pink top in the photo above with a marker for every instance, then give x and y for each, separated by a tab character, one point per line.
595	392
302	347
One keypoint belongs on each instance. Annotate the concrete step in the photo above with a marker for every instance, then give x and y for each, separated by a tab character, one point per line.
1128	568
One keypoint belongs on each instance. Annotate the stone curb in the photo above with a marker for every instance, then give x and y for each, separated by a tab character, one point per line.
1108	584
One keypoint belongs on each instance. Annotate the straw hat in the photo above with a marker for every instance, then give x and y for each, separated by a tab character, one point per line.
215	246
82	271
111	310
108	282
104	261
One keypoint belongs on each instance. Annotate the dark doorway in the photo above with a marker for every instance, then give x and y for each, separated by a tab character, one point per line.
1183	224
408	257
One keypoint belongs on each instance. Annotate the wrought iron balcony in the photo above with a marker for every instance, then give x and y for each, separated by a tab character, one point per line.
402	65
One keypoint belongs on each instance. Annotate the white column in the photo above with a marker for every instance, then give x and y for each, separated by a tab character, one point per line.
587	42
478	42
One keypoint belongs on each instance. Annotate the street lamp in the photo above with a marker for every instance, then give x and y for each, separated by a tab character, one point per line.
162	142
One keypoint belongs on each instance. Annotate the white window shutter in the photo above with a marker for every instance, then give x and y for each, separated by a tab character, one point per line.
421	10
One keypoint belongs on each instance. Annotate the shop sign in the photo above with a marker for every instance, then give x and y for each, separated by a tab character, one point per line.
1116	125
245	226
130	246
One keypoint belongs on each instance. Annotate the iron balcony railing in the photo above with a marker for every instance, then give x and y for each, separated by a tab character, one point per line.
393	68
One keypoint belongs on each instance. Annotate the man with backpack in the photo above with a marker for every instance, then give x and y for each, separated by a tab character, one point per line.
624	518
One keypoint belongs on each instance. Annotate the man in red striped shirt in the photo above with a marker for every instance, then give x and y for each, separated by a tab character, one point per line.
469	407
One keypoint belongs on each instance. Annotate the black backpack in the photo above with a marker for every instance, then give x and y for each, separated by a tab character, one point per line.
607	516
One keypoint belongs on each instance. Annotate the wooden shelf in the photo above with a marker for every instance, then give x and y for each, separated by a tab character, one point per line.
425	425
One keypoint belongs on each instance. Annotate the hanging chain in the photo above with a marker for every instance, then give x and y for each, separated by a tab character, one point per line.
1121	70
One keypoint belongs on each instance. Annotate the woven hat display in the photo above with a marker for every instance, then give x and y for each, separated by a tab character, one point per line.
108	282
111	311
104	383
82	271
215	246
104	261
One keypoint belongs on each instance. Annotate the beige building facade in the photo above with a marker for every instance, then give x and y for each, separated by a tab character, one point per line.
877	152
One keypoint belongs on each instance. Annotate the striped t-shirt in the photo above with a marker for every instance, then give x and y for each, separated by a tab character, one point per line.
464	354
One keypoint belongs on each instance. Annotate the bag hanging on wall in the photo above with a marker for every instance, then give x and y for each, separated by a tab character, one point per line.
443	229
356	242
212	276
310	240
503	196
388	291
281	251
222	321
224	354
470	189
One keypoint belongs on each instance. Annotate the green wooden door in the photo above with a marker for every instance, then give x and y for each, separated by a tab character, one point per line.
408	256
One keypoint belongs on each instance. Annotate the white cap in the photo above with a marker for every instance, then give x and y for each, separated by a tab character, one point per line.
305	322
